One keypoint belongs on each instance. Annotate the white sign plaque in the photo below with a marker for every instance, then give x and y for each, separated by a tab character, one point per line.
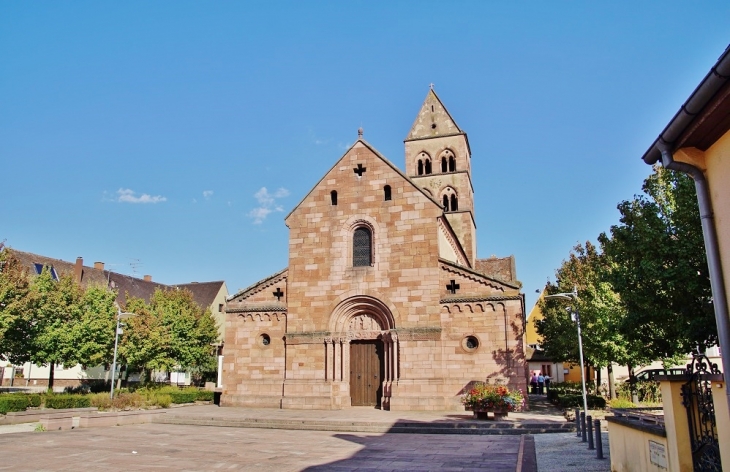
658	454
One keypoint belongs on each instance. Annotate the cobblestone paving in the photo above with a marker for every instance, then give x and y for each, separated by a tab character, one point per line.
202	448
564	451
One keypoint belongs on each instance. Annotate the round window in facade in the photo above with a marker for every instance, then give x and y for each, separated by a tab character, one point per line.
470	343
264	339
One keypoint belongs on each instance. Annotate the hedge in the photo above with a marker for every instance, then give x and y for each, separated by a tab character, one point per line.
183	396
205	395
34	400
572	400
13	403
68	401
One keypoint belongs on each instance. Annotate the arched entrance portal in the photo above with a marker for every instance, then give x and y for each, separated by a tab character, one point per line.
367	324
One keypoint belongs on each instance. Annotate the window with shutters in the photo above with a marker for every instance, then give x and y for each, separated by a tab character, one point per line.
362	247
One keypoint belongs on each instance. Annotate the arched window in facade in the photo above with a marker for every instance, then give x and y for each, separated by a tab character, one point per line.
362	247
386	193
424	163
448	161
333	197
450	199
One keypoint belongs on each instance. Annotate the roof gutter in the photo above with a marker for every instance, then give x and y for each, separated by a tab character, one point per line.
718	76
717	282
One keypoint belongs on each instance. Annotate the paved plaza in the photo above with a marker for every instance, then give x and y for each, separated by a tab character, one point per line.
203	448
190	447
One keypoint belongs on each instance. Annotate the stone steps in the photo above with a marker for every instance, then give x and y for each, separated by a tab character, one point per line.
412	427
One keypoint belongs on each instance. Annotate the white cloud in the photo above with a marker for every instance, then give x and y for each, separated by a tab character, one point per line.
267	204
207	193
125	195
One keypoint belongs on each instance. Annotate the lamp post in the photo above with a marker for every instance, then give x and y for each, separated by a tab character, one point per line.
120	316
573	297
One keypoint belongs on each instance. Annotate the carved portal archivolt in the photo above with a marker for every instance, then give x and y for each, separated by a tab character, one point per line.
360	318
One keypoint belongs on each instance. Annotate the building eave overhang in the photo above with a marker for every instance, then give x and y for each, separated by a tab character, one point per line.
694	109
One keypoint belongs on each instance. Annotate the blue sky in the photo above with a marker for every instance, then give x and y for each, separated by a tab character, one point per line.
172	138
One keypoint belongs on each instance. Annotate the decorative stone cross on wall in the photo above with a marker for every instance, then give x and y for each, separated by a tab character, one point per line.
359	170
453	287
278	294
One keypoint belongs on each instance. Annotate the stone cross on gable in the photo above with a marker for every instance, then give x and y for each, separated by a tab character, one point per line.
359	170
278	294
453	287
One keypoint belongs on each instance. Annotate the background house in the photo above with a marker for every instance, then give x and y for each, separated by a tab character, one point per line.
210	295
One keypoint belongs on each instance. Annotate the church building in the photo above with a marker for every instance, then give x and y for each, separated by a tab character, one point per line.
384	302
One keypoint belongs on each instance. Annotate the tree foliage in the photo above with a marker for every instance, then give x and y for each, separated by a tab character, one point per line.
645	294
660	269
170	333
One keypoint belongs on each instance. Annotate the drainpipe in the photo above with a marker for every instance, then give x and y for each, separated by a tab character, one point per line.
712	250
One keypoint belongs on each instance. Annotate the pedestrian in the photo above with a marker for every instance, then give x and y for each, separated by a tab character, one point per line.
547	383
533	383
540	384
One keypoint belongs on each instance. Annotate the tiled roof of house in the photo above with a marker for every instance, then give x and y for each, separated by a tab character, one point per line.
204	293
126	286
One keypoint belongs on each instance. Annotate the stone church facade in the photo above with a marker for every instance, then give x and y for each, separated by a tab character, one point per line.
384	301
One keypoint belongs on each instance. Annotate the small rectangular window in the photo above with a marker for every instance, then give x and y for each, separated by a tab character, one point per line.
220	308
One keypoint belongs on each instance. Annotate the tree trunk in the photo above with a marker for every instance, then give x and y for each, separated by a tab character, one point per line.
611	385
598	381
50	376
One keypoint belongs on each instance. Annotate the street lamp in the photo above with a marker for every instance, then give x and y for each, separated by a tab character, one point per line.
573	297
120	316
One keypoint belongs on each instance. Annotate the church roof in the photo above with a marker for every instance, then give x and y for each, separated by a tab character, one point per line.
383	158
433	120
263	282
508	283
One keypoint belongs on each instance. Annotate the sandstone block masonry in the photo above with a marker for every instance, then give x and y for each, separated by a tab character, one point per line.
384	302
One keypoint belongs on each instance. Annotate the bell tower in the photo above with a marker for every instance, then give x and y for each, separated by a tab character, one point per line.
438	159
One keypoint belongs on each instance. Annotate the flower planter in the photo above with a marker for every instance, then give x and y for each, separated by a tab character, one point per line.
483	413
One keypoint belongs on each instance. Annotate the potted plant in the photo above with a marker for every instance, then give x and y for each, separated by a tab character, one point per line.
499	400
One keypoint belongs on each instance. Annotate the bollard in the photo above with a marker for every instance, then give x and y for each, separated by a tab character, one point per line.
599	441
577	422
583	426
589	423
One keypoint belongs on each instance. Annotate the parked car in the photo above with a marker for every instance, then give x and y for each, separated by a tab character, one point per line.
650	374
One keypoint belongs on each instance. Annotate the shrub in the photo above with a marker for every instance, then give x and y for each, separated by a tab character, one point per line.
183	396
100	400
205	395
67	401
648	391
35	400
621	403
163	400
128	400
13	403
572	401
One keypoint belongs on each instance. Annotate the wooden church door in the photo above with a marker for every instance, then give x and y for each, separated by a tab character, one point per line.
366	372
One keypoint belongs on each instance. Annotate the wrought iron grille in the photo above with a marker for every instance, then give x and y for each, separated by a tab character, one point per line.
697	399
362	247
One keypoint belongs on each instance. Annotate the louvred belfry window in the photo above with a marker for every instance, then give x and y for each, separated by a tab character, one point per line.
362	247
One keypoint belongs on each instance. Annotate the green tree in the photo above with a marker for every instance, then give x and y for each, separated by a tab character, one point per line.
659	268
92	333
171	332
14	288
602	314
43	333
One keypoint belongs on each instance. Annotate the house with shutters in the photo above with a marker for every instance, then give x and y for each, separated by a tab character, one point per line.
384	302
